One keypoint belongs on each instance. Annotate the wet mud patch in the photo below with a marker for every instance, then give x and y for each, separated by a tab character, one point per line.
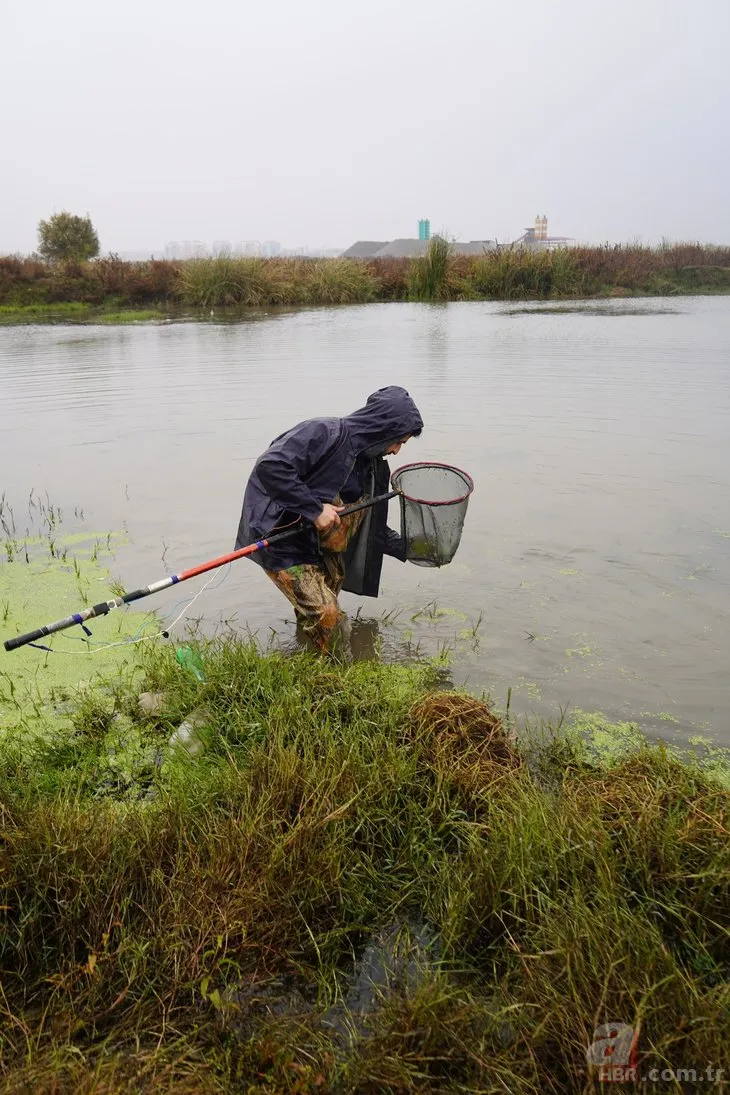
394	963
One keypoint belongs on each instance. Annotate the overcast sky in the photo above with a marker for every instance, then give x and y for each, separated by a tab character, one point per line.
321	122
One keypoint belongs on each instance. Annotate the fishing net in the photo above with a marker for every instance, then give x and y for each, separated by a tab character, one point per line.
433	503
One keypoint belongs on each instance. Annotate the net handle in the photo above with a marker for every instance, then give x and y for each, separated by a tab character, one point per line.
424	501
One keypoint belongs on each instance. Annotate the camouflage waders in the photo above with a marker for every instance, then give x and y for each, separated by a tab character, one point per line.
313	589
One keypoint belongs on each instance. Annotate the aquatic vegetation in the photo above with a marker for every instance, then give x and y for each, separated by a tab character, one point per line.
586	650
227	281
364	884
432	611
47	574
517	275
422	549
73	312
505	273
60	308
138	315
223	281
340	281
429	274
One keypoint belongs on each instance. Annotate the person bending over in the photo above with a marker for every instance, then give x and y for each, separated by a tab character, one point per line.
312	471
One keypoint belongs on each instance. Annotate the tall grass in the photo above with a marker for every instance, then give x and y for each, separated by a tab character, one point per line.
520	275
503	274
213	938
340	281
254	281
224	280
428	275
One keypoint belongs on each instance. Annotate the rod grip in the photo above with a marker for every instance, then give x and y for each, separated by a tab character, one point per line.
368	502
21	640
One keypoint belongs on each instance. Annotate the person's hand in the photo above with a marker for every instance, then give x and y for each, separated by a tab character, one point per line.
329	518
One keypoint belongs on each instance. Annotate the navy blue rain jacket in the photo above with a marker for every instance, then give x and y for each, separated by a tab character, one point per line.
315	462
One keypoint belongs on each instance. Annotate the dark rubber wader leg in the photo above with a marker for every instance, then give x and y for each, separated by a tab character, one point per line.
313	590
315	603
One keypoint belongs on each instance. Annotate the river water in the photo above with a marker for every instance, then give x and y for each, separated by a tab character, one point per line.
594	569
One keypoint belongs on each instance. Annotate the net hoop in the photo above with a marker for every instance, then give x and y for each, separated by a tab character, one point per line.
468	483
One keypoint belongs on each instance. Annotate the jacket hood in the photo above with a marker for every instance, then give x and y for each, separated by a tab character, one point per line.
388	415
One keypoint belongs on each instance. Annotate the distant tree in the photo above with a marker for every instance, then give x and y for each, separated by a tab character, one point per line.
65	236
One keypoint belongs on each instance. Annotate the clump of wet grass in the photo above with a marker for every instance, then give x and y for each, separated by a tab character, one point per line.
225	280
340	281
208	934
428	275
518	275
464	740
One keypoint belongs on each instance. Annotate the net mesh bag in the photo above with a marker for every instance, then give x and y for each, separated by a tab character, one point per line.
433	503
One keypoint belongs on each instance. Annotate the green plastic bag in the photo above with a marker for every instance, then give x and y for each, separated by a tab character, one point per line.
191	662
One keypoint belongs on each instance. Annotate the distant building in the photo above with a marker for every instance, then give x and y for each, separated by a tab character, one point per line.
136	256
364	249
271	248
537	239
411	248
221	247
186	249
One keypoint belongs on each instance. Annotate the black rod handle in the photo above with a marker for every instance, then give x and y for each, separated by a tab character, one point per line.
22	640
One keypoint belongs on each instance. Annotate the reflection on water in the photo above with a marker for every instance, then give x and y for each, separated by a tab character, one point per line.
358	639
594	570
364	639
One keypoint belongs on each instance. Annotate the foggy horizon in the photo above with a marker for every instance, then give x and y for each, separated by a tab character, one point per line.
324	124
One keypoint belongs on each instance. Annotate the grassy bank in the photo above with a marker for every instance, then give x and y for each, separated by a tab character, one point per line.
361	885
74	312
114	286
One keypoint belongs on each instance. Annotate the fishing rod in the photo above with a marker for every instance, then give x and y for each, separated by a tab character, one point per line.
104	607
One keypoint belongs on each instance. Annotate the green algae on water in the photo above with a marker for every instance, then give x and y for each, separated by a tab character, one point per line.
603	742
35	683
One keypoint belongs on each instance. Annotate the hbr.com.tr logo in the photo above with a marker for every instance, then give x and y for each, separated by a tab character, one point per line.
614	1051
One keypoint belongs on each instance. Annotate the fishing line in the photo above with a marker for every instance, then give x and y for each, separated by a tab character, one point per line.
100	647
31	638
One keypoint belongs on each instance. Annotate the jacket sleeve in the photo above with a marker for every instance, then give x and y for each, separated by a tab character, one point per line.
394	545
287	461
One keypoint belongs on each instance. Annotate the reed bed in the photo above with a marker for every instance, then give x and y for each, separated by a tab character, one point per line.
364	885
236	283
